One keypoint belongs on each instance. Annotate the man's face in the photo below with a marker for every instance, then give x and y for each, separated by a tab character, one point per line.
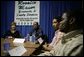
35	25
64	23
55	24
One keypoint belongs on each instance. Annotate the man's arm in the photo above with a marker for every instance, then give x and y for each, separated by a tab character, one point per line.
74	48
74	51
40	34
51	53
47	47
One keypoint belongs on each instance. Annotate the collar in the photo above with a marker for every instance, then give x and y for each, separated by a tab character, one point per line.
67	37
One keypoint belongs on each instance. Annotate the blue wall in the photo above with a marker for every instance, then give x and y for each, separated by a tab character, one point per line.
48	9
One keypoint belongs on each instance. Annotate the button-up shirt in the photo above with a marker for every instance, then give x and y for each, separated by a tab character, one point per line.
58	35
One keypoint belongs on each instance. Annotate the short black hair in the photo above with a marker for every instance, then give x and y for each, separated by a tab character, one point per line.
77	14
13	23
58	18
36	23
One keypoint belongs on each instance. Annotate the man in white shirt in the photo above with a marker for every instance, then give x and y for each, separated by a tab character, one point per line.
71	44
58	34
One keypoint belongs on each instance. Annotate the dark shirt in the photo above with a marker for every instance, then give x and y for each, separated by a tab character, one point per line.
38	33
16	34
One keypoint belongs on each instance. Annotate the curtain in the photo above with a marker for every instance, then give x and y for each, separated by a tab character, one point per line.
48	10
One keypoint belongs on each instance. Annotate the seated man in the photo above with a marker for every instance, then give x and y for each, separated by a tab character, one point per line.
37	32
12	33
57	36
71	43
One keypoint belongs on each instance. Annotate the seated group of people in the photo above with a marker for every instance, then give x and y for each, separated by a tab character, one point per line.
68	37
14	33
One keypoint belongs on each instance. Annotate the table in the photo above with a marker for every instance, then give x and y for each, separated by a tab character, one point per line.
30	47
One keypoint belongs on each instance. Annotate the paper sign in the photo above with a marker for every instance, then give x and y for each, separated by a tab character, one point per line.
18	41
40	40
18	51
26	12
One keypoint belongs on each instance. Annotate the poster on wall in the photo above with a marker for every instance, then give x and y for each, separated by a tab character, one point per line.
26	12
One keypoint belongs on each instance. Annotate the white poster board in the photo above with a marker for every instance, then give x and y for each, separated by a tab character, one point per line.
18	42
26	12
17	51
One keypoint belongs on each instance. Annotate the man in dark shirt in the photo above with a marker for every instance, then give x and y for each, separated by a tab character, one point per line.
12	33
36	31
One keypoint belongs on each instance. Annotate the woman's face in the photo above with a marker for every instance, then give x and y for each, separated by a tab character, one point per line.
13	27
55	24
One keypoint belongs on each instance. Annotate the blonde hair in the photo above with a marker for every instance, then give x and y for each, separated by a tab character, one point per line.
13	23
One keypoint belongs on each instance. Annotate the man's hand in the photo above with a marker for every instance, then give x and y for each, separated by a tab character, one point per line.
47	47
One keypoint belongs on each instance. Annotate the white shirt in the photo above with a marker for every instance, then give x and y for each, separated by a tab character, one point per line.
58	35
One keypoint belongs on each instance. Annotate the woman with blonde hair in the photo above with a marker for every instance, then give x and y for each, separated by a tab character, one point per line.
12	32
